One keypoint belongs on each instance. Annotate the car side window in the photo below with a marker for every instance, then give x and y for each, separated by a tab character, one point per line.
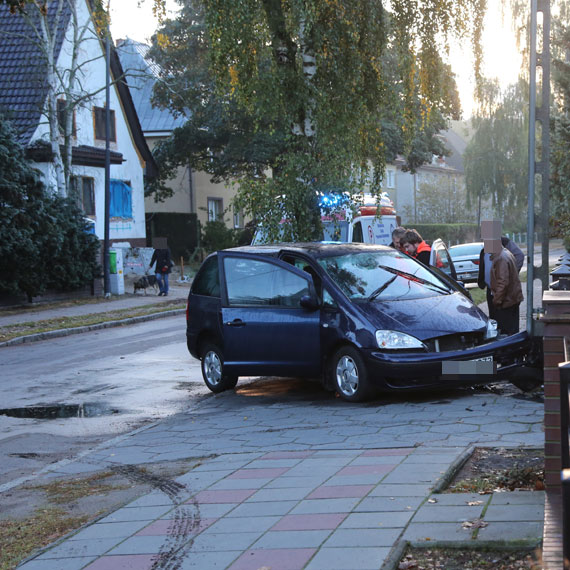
259	283
207	282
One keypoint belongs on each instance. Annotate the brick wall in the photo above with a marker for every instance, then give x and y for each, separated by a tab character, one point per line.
556	321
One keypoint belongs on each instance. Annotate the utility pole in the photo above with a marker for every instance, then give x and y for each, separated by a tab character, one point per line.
539	57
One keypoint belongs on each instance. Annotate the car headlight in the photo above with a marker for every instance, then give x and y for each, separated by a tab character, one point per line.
492	329
397	340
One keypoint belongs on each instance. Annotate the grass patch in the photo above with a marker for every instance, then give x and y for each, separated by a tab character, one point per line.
64	492
23	329
478	295
19	539
455	559
501	469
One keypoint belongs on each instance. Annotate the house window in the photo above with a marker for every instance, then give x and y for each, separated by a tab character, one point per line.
121	199
390	179
83	189
61	118
215	209
238	219
99	118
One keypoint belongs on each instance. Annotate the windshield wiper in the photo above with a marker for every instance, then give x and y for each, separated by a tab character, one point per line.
398	272
377	292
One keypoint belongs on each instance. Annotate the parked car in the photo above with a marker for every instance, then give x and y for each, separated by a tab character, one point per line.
359	316
466	260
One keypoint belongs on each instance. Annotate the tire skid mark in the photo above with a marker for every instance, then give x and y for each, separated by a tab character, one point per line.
185	522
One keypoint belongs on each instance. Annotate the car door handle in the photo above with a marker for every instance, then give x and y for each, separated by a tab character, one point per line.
235	323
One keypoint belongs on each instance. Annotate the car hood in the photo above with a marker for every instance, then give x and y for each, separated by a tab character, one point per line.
427	318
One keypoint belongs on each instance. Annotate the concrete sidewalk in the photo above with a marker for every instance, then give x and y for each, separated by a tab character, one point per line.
289	485
177	295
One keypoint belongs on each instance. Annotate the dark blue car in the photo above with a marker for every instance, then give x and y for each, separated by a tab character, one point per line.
359	316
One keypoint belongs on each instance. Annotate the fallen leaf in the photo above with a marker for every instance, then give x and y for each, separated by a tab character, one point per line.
432	500
474	503
475	523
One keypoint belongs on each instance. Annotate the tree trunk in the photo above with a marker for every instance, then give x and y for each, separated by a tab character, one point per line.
52	81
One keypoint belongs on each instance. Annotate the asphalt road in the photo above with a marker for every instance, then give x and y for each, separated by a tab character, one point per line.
89	388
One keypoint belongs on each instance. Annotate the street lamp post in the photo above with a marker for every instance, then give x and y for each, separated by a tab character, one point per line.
106	269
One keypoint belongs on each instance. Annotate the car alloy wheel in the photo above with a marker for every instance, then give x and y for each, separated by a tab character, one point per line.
213	370
347	376
350	375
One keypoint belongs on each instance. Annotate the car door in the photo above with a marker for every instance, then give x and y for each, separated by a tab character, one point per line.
441	258
265	328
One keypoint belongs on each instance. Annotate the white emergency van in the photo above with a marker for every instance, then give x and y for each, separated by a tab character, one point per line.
370	220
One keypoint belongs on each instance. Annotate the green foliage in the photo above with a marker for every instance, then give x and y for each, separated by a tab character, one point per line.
216	236
43	238
288	99
449	233
496	158
560	143
441	200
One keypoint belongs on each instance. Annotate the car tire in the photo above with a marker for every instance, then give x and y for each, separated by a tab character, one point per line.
349	375
213	369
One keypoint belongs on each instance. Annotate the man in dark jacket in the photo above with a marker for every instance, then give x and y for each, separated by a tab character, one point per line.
414	245
163	268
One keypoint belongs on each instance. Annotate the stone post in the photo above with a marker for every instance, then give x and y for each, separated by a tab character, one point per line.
556	344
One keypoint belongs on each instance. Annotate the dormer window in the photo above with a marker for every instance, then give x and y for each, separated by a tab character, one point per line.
100	122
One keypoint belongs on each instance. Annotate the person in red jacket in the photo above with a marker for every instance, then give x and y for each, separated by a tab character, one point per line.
415	246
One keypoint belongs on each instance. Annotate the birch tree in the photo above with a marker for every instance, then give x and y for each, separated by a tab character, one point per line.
339	87
46	20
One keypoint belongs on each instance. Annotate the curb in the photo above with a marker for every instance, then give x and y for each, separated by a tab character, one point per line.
99	326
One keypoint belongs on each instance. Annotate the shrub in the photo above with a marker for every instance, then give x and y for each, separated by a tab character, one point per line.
43	238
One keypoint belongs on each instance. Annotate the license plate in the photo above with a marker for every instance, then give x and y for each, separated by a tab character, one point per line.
483	366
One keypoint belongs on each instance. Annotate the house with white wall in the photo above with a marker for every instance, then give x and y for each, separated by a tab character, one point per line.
23	103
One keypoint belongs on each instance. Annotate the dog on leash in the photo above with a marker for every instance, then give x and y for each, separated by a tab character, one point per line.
144	282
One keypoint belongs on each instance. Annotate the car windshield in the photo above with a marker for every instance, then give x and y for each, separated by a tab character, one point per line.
382	275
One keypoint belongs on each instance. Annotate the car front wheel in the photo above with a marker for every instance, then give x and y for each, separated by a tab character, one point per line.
213	370
350	375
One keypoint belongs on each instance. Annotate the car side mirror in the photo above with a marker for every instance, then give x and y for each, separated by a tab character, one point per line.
309	302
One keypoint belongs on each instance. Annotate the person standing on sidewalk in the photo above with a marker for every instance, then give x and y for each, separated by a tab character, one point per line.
161	256
504	291
485	263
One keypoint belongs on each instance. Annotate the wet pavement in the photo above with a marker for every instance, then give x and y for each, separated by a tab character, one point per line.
285	481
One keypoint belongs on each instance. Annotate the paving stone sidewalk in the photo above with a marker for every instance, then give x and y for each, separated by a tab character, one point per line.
291	485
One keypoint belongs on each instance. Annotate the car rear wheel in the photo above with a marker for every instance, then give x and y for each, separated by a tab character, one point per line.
213	370
350	376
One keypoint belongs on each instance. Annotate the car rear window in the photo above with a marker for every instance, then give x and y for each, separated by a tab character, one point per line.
466	249
207	282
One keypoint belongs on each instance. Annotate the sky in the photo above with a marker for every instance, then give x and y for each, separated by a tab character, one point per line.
134	19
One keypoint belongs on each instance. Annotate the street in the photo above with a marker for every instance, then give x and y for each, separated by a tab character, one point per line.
89	388
93	386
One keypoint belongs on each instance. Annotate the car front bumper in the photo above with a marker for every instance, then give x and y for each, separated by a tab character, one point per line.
399	370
